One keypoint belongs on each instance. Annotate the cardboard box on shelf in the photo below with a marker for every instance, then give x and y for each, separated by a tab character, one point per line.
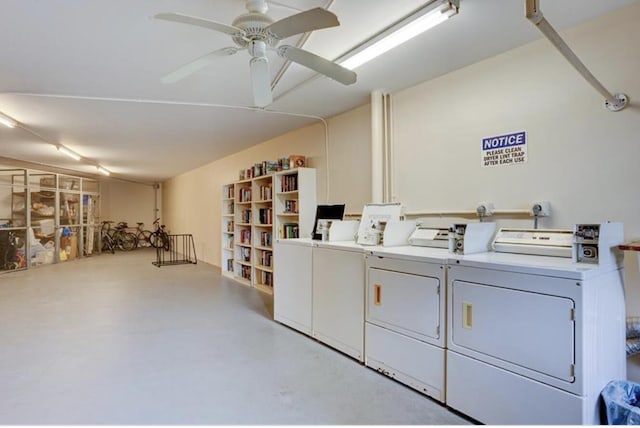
69	244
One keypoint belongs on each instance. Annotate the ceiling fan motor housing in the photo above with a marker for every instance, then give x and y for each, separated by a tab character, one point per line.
253	25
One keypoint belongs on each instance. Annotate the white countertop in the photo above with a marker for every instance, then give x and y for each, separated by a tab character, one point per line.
305	242
522	263
540	265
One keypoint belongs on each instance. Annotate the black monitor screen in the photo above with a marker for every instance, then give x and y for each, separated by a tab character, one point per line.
327	212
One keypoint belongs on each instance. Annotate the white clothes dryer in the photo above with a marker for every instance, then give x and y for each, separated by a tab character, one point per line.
533	339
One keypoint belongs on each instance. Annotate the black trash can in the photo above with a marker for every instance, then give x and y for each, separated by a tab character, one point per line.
622	401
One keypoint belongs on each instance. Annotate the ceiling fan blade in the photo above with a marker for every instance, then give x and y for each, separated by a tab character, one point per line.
309	20
319	64
197	64
199	22
261	81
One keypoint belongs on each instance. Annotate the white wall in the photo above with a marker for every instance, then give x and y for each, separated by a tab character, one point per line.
191	201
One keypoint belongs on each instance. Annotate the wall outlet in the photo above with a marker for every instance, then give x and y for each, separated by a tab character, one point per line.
542	207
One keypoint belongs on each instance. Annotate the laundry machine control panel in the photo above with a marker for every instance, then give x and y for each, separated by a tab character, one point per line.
597	243
471	238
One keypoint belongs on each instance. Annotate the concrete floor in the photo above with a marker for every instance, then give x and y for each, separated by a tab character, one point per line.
114	340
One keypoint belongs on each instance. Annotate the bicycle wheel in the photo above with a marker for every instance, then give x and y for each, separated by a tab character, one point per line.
127	241
107	244
144	238
156	241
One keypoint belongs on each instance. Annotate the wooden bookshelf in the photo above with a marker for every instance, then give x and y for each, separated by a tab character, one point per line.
253	210
227	230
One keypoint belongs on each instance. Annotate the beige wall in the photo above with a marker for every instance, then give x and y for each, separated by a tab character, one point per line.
130	202
191	201
581	157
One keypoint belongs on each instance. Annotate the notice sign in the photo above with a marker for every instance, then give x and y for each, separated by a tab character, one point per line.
510	149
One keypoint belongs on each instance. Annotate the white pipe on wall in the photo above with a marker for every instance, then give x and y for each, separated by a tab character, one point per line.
388	150
377	147
613	102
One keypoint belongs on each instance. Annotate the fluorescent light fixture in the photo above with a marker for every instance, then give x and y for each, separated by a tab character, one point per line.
7	121
417	23
71	154
103	170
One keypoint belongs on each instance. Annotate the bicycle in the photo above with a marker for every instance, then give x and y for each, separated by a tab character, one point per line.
116	238
108	244
143	237
159	238
126	241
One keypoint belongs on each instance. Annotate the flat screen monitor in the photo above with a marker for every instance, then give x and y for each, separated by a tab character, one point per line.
327	212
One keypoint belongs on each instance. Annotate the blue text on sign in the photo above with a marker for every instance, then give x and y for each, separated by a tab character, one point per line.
500	141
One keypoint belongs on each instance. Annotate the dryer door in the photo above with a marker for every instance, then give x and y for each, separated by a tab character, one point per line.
531	330
406	303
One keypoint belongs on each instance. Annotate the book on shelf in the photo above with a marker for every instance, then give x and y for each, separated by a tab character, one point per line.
265	216
244	194
245	236
245	272
266	278
283	164
245	254
291	206
230	192
230	265
265	258
289	231
289	183
265	193
246	216
246	174
266	239
271	166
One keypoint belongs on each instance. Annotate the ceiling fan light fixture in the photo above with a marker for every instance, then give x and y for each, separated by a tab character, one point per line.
413	25
7	121
70	153
103	170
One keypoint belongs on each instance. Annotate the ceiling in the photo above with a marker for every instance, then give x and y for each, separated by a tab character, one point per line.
87	74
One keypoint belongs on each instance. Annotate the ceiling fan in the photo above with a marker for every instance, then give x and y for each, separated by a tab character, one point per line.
256	32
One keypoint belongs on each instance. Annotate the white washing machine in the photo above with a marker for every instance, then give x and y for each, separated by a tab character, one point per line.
405	316
292	290
533	339
338	296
